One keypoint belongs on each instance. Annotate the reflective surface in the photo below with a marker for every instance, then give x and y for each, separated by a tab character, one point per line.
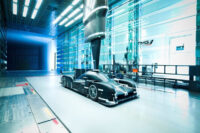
21	108
157	110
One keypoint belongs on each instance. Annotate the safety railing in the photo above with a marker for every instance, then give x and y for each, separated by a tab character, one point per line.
167	75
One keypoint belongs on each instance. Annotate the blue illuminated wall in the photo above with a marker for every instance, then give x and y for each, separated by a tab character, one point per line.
30	51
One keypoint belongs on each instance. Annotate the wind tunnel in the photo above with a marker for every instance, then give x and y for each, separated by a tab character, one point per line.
30	51
94	21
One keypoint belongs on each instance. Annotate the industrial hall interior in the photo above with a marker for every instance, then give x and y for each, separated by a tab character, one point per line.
99	66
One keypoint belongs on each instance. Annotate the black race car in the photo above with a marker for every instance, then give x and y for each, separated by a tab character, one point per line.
99	87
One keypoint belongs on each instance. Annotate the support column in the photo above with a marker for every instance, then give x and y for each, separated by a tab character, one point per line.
131	33
96	45
198	36
133	48
136	33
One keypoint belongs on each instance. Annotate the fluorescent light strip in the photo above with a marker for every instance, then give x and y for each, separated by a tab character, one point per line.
62	15
75	2
70	16
79	16
15	8
34	14
71	22
38	4
74	13
57	19
15	1
64	21
81	6
25	11
66	11
27	2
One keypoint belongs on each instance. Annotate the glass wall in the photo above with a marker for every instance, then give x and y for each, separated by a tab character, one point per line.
172	27
153	31
138	31
72	52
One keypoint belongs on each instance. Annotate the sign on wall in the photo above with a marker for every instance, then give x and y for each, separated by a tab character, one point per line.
147	42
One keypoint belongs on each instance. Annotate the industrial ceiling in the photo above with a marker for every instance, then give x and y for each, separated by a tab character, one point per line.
43	22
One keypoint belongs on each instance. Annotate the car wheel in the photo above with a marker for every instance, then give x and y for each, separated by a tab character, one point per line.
64	82
70	84
93	93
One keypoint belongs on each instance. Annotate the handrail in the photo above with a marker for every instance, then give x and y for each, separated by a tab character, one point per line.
145	69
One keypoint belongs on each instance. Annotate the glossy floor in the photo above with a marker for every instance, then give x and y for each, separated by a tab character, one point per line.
158	110
23	111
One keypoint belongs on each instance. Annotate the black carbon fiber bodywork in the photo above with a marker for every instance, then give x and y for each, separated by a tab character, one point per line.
106	91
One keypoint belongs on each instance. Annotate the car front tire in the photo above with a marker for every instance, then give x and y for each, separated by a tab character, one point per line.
93	92
64	82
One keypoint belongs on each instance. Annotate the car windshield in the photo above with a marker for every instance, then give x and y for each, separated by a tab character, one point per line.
102	77
99	77
81	77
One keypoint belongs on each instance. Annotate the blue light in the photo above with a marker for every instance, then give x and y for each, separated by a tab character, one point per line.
47	43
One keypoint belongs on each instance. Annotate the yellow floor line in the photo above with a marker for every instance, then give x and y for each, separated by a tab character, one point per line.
48	112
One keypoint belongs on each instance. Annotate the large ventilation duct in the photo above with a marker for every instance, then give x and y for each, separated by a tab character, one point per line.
94	21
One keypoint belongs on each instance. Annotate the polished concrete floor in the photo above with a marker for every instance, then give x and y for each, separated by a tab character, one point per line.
22	110
158	110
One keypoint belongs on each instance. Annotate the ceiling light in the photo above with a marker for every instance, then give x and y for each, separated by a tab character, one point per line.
25	11
62	15
66	10
74	13
14	8
64	21
79	16
15	1
81	6
27	2
72	21
57	19
38	4
34	14
75	2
